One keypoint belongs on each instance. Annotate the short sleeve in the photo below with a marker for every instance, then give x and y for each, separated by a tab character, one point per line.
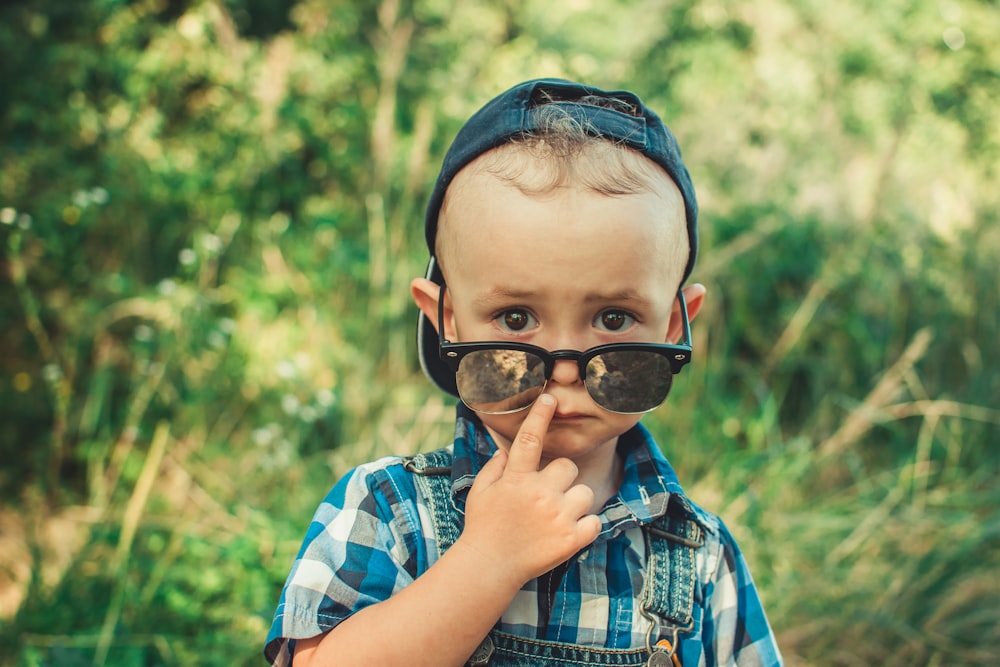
735	629
363	545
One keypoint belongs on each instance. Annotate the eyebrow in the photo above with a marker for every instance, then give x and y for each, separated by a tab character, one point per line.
629	296
513	294
490	298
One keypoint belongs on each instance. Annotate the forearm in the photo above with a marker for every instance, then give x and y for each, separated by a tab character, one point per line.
439	619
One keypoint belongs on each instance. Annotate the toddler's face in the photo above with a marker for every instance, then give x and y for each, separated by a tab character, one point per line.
567	269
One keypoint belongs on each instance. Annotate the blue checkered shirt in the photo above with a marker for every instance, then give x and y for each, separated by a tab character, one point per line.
373	535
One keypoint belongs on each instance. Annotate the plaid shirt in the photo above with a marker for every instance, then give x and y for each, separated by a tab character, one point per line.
372	536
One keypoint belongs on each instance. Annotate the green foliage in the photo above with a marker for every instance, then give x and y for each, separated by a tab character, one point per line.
210	212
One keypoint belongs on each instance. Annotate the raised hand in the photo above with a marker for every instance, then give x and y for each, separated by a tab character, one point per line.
524	520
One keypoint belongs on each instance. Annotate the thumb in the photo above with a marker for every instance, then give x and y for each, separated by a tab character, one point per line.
493	470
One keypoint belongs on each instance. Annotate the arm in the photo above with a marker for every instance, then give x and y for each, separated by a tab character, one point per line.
736	630
520	522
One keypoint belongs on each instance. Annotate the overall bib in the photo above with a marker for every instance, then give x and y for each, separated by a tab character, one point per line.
667	593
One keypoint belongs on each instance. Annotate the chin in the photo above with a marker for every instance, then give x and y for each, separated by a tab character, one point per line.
574	445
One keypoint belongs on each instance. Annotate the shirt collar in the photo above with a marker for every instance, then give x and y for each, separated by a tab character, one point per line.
648	485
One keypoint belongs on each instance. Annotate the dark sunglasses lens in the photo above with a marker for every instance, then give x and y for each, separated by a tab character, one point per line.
499	381
629	382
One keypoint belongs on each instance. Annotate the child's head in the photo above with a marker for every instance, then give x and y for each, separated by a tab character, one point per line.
563	218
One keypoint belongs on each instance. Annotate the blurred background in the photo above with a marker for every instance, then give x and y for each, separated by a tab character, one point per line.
210	211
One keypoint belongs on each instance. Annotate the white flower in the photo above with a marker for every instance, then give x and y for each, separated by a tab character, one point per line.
286	369
325	398
290	404
167	287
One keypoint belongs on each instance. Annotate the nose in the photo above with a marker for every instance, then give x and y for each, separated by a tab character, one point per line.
565	344
565	372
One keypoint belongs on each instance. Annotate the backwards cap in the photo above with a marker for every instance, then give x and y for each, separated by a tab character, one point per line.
511	115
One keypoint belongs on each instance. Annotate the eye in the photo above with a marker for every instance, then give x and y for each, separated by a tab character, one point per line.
614	320
515	320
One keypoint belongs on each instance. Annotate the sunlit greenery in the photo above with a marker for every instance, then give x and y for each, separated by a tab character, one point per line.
210	212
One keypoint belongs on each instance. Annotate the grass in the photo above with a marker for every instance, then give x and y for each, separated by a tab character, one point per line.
858	562
200	429
181	393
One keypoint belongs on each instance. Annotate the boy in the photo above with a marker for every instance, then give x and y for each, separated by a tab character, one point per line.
552	531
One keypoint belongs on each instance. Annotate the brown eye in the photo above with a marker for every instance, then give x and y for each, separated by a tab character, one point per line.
614	320
515	320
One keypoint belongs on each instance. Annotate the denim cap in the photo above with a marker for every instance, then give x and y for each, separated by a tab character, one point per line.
509	116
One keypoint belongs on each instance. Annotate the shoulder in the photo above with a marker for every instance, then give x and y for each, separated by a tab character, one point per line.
374	504
384	482
720	557
703	517
384	494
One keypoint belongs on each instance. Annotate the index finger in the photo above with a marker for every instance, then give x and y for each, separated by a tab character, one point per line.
526	450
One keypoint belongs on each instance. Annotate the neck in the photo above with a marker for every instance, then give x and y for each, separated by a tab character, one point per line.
601	469
604	480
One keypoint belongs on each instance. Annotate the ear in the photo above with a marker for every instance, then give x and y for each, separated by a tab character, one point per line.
694	297
426	294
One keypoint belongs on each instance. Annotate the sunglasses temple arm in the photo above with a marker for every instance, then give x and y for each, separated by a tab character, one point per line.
441	315
684	318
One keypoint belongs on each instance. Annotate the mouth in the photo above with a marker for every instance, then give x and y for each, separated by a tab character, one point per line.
567	416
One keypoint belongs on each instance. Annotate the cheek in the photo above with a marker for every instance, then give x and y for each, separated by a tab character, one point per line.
622	423
504	428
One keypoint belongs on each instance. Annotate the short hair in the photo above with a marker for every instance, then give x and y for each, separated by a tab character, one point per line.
572	152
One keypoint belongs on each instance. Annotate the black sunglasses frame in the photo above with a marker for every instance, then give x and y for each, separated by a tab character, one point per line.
678	354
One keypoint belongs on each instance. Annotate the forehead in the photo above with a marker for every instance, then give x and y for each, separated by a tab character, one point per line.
515	217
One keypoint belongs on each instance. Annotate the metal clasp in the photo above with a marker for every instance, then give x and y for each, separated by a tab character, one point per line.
482	654
664	654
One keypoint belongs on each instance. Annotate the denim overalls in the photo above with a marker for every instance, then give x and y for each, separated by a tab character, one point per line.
667	594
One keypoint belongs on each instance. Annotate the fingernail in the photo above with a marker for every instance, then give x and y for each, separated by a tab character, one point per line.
547	399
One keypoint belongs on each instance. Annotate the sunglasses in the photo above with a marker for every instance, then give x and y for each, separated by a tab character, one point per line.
626	378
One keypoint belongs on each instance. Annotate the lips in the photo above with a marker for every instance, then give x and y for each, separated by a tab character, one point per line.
568	415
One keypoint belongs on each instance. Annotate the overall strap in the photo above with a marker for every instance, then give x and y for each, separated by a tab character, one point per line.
433	479
671	575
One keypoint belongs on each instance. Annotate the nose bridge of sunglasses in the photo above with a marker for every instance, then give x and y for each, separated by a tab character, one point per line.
568	366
